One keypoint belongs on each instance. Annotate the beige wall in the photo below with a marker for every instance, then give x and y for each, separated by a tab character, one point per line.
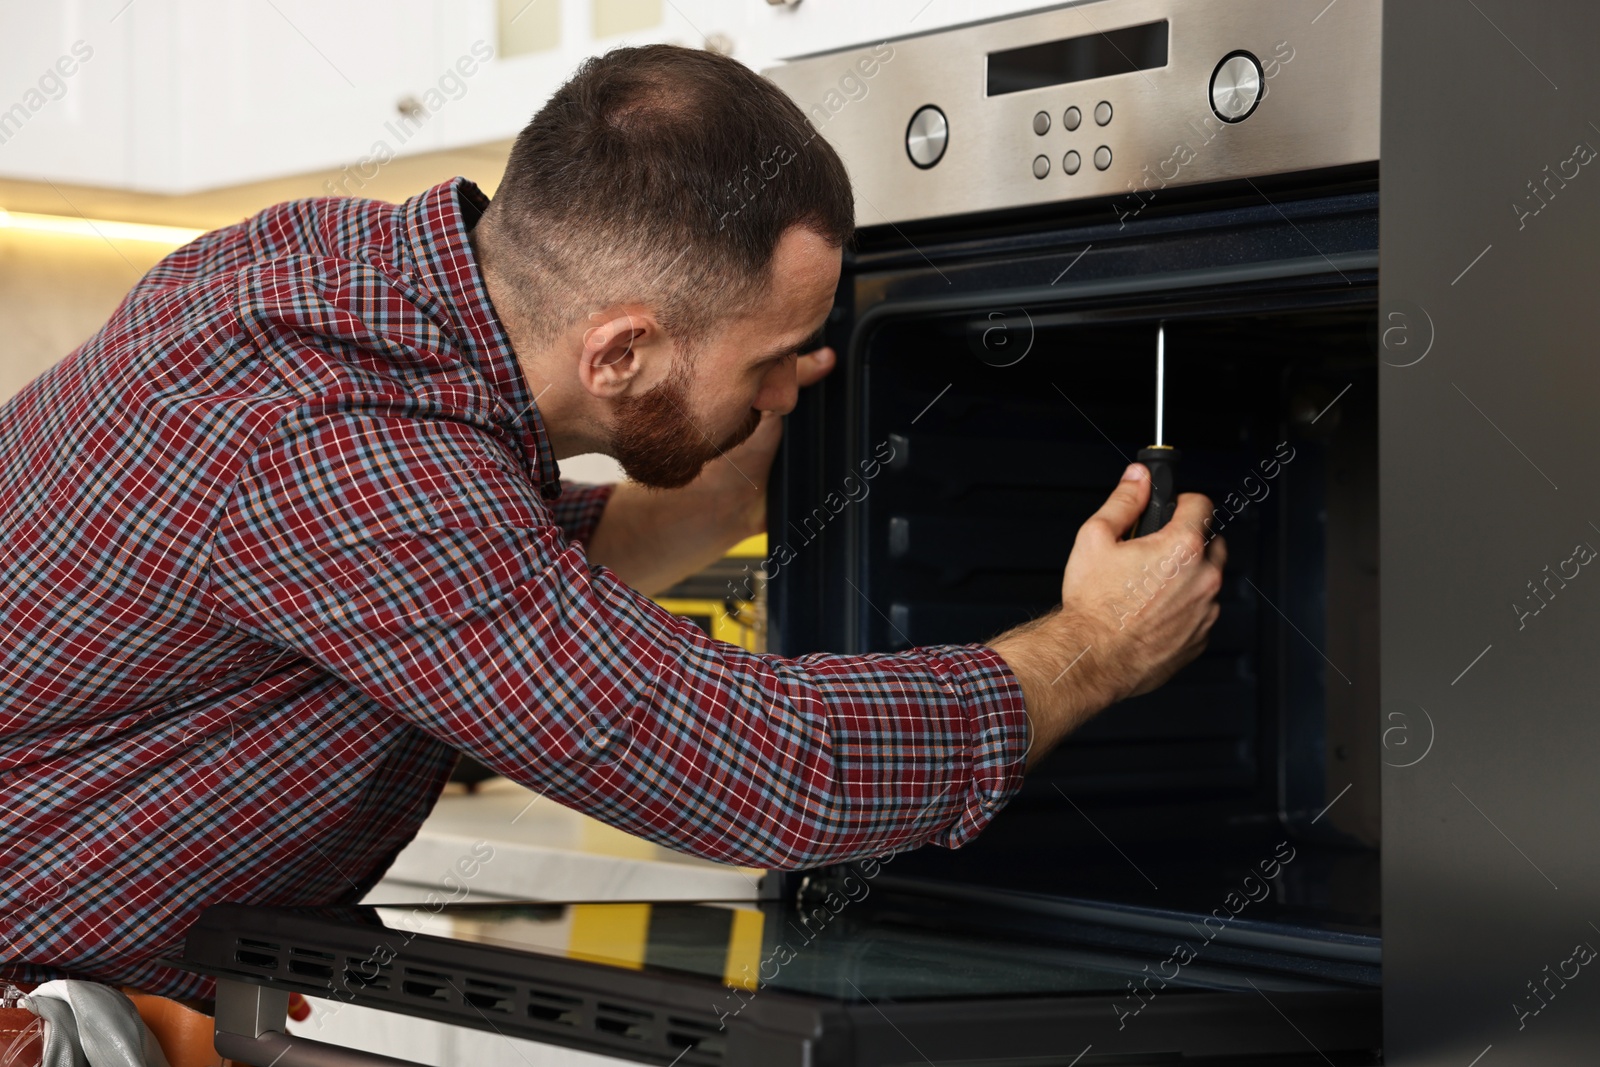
55	291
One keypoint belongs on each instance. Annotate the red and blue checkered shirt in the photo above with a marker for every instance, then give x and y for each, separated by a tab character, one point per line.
287	533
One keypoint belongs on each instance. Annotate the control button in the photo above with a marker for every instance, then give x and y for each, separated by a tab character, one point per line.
1041	166
927	136
1071	162
1102	112
1041	123
1102	158
1072	118
1236	87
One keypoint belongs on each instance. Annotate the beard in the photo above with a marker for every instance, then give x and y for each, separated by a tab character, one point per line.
659	446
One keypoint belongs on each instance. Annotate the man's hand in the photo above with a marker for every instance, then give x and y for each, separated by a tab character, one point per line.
654	538
1132	613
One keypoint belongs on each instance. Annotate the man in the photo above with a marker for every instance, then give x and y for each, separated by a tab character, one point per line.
288	533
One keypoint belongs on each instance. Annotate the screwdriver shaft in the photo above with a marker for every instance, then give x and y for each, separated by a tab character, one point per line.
1161	379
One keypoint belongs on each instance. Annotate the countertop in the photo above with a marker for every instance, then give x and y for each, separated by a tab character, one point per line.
505	842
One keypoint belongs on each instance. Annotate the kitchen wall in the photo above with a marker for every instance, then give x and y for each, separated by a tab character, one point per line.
55	291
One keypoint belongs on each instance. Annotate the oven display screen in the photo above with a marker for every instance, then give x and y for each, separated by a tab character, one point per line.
1077	59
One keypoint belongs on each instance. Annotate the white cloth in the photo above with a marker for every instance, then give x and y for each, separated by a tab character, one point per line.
93	1025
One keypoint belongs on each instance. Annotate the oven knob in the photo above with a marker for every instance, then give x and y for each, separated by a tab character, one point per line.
1236	86
927	136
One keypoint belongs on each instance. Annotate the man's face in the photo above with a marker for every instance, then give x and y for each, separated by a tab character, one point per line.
713	399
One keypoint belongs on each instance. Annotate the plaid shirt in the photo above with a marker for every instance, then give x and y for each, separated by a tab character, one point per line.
287	533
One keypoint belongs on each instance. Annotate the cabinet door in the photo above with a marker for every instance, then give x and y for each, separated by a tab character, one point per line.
259	90
785	31
173	96
66	113
501	96
1491	586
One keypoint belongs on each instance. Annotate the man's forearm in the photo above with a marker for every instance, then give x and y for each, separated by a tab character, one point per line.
654	538
1064	684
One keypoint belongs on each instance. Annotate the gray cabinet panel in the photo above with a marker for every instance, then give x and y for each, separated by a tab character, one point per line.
1490	283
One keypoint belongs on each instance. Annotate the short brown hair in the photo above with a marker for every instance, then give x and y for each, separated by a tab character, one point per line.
662	174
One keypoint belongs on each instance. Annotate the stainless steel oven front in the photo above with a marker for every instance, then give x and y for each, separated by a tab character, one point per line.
1035	195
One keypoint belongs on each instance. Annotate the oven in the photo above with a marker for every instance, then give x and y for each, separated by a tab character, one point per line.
1037	196
1282	856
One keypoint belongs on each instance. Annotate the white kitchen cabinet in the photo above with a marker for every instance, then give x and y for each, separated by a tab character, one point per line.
787	31
181	95
263	89
65	110
501	99
178	95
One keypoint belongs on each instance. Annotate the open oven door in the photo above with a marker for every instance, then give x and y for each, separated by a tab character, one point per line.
863	979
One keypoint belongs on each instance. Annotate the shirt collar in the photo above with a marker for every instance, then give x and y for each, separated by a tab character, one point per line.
436	223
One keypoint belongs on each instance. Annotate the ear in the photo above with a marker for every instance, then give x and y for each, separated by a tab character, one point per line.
619	347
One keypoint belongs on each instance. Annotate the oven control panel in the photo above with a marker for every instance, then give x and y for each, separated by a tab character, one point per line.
1110	98
1071	122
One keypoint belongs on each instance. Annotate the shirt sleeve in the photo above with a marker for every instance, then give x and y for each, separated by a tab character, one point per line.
414	559
578	509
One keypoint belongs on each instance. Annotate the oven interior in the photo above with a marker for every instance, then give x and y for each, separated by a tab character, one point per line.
1008	426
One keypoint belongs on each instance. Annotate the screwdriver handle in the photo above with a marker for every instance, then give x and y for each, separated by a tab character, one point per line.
1162	462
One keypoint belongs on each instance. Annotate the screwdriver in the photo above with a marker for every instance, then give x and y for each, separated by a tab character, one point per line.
1160	459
